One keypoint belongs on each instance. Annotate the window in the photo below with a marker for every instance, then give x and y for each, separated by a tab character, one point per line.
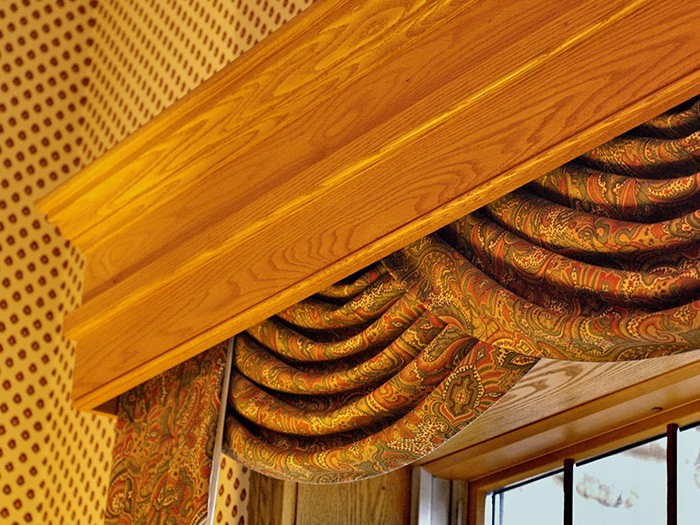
635	485
524	503
689	475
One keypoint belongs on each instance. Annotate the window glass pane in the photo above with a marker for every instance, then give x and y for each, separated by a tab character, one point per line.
688	476
626	488
488	508
539	502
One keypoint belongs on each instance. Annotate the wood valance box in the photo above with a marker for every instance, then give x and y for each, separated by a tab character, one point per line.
354	130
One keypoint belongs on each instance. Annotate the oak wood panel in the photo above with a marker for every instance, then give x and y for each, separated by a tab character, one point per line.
306	161
271	501
300	157
562	429
212	128
383	499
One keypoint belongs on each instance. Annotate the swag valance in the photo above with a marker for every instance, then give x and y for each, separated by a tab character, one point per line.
595	261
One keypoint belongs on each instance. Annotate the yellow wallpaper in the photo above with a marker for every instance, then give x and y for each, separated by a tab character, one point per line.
232	494
54	461
76	76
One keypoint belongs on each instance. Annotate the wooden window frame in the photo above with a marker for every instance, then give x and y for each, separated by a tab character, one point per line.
566	410
625	436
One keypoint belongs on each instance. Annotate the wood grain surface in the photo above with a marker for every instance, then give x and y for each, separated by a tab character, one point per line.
559	406
383	499
351	132
271	501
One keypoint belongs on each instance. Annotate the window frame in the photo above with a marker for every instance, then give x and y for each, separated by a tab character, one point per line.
685	416
598	420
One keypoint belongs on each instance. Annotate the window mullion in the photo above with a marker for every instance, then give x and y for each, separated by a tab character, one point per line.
672	474
568	492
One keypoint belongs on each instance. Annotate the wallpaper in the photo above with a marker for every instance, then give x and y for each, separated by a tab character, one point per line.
54	461
76	77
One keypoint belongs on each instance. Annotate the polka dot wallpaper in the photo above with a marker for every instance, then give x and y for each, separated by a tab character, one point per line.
77	76
232	494
54	461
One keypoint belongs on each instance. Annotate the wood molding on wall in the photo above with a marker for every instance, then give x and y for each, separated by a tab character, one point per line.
352	131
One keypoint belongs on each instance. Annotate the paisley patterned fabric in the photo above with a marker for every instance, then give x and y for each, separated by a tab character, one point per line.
598	260
165	436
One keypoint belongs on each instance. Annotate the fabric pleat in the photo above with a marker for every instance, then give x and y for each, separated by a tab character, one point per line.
523	265
365	307
573	232
618	196
598	260
289	341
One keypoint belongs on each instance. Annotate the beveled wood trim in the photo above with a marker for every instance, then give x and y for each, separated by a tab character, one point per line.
350	133
476	500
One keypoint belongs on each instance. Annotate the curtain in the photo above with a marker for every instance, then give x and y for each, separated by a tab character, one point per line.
164	444
597	260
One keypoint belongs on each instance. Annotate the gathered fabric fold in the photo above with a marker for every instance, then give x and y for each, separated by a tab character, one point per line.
598	260
522	265
617	196
576	233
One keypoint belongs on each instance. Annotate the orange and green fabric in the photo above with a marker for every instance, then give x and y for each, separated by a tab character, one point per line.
598	260
162	458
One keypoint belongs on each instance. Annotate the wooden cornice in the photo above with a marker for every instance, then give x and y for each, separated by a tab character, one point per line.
352	131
